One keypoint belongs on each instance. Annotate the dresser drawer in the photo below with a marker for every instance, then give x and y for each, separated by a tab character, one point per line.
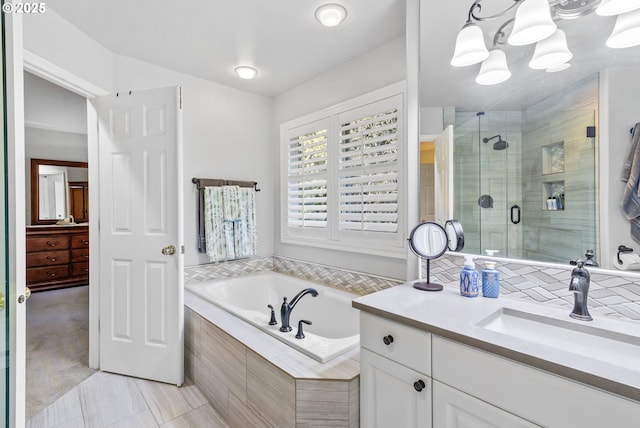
80	241
47	273
47	258
406	345
54	242
79	269
80	255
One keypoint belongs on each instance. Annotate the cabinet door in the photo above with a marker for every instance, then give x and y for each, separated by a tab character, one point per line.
455	409
389	394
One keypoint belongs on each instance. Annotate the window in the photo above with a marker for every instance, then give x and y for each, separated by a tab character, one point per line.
344	175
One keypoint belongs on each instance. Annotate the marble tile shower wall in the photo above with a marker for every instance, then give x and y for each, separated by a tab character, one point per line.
355	282
615	296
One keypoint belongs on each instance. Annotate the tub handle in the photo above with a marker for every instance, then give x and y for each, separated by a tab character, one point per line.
388	340
300	333
272	321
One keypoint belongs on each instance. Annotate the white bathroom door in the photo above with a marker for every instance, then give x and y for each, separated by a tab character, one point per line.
141	234
444	175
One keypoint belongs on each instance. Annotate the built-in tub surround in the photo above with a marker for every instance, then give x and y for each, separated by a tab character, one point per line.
611	295
334	327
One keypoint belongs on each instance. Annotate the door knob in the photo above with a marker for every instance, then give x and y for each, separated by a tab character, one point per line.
169	250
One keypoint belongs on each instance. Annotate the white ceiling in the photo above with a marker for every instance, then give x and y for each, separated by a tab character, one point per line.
443	84
209	38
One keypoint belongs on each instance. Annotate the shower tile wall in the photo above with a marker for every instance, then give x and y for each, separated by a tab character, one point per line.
561	119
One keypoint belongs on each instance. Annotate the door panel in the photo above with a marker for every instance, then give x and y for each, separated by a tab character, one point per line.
140	200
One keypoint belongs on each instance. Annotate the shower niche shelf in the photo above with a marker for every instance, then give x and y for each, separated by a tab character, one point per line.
553	195
553	158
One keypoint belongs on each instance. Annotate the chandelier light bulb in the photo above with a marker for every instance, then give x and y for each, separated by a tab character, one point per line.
617	7
470	48
494	69
331	14
551	52
246	72
557	68
626	32
532	23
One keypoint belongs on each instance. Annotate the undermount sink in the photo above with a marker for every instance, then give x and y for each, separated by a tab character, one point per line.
572	336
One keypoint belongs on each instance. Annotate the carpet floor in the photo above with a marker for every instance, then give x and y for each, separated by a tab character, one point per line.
57	351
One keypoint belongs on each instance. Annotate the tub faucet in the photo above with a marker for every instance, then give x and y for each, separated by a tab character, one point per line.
286	308
580	286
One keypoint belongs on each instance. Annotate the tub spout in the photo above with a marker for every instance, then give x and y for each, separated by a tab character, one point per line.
579	284
287	308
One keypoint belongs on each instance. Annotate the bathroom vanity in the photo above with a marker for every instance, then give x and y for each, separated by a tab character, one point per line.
57	256
442	360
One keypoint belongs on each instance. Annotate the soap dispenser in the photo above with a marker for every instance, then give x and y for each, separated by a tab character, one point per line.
469	278
490	280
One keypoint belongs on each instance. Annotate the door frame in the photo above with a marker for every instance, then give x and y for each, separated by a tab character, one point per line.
49	71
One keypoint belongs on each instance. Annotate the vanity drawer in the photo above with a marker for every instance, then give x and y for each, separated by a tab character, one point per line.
54	242
406	345
80	255
80	241
79	269
47	273
47	258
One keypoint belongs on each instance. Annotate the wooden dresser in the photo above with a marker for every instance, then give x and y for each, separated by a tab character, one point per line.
57	256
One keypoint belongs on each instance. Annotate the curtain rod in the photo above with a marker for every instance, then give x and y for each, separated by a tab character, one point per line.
203	182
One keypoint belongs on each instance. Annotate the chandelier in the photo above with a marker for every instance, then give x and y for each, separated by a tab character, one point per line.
535	22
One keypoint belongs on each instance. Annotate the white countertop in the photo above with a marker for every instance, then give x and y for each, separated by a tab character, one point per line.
450	315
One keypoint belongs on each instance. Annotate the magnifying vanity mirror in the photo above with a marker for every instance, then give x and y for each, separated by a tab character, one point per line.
59	191
429	241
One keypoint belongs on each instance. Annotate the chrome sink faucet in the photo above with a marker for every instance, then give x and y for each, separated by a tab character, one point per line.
579	284
286	308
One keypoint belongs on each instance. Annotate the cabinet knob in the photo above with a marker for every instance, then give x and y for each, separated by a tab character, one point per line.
419	385
388	339
52	243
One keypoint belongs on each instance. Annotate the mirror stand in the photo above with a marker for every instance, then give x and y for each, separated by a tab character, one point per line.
427	285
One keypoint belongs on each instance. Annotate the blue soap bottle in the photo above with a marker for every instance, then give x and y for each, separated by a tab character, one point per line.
490	280
469	278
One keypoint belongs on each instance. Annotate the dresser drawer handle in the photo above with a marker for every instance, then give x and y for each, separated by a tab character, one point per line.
84	268
419	385
53	243
86	256
388	340
85	242
53	258
52	273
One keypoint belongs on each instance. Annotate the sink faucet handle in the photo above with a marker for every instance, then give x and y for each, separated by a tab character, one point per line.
300	333
273	316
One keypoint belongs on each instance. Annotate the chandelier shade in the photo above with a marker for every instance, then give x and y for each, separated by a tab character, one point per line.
551	52
532	23
626	32
494	69
559	67
470	48
617	7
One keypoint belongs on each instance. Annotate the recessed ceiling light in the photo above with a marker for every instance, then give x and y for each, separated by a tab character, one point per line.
331	14
246	72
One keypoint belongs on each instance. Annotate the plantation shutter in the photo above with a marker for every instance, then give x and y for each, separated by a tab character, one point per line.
307	176
368	167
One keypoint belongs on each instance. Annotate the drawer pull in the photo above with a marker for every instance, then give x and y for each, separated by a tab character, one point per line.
52	273
52	243
388	340
419	385
84	268
85	242
53	259
86	256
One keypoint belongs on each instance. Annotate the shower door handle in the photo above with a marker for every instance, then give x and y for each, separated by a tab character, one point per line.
515	209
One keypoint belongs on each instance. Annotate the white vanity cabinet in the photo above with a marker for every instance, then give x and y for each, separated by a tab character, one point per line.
395	364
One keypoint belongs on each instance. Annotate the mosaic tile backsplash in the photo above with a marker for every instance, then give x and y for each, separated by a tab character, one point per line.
615	296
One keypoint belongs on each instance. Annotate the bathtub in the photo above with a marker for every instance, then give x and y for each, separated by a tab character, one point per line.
335	324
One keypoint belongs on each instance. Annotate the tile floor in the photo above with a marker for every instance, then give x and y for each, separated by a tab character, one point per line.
114	401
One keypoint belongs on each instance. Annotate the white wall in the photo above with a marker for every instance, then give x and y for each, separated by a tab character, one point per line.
619	97
373	70
227	134
431	120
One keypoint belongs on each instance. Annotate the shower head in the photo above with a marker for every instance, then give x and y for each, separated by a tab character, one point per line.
498	145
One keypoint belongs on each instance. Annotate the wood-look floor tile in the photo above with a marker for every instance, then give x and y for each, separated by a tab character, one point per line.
74	423
143	419
204	417
64	410
106	398
167	402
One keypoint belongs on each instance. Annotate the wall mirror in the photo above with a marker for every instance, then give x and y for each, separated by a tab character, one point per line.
540	144
59	190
